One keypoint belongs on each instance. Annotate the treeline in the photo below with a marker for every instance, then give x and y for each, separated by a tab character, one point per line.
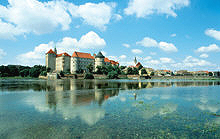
112	72
23	71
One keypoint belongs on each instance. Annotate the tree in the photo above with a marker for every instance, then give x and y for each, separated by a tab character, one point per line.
90	67
43	73
135	71
210	74
143	71
152	73
61	73
129	71
88	76
113	75
24	73
48	69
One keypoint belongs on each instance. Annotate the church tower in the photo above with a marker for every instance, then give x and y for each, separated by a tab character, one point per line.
135	61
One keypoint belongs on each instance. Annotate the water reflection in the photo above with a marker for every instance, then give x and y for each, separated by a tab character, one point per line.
65	85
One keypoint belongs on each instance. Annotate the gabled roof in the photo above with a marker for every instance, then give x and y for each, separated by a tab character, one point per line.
107	60
51	52
113	62
138	64
99	55
82	55
65	54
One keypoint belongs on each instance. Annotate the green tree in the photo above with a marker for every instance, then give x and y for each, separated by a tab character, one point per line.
113	75
129	71
24	73
135	71
210	74
143	71
88	76
90	67
152	73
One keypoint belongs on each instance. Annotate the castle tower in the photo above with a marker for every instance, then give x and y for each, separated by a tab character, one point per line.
99	60
51	60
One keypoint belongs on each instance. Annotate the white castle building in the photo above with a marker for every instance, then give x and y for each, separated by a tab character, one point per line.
78	61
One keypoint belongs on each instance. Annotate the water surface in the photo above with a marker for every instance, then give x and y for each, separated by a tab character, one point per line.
109	109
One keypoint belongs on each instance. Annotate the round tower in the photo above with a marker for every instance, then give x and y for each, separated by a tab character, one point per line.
99	60
51	60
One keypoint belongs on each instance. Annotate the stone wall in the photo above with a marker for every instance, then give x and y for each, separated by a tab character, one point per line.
51	61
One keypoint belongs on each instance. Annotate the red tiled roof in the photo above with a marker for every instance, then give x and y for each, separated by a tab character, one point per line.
50	52
63	54
113	62
82	55
138	64
107	60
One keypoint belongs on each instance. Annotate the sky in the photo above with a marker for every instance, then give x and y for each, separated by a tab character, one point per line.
162	34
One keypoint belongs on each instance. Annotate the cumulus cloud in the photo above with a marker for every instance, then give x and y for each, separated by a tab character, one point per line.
123	57
143	8
149	42
126	45
32	16
136	51
167	47
97	15
2	53
148	58
213	33
191	62
210	48
91	40
166	60
204	56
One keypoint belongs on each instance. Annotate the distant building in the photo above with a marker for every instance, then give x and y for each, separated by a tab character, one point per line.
78	61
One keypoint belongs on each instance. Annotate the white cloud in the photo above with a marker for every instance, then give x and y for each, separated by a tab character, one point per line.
148	58
2	53
166	60
123	57
32	16
167	47
148	42
195	63
91	40
173	35
126	45
210	48
97	15
204	56
143	8
213	33
136	51
154	62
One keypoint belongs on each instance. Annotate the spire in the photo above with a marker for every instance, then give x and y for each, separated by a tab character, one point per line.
55	49
135	61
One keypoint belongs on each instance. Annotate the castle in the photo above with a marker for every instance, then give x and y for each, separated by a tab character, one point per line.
79	61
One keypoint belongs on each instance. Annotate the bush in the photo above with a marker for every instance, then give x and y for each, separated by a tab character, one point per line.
88	76
43	73
24	73
143	71
62	74
113	75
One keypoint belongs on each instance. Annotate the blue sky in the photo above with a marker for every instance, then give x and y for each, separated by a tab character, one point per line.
171	34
